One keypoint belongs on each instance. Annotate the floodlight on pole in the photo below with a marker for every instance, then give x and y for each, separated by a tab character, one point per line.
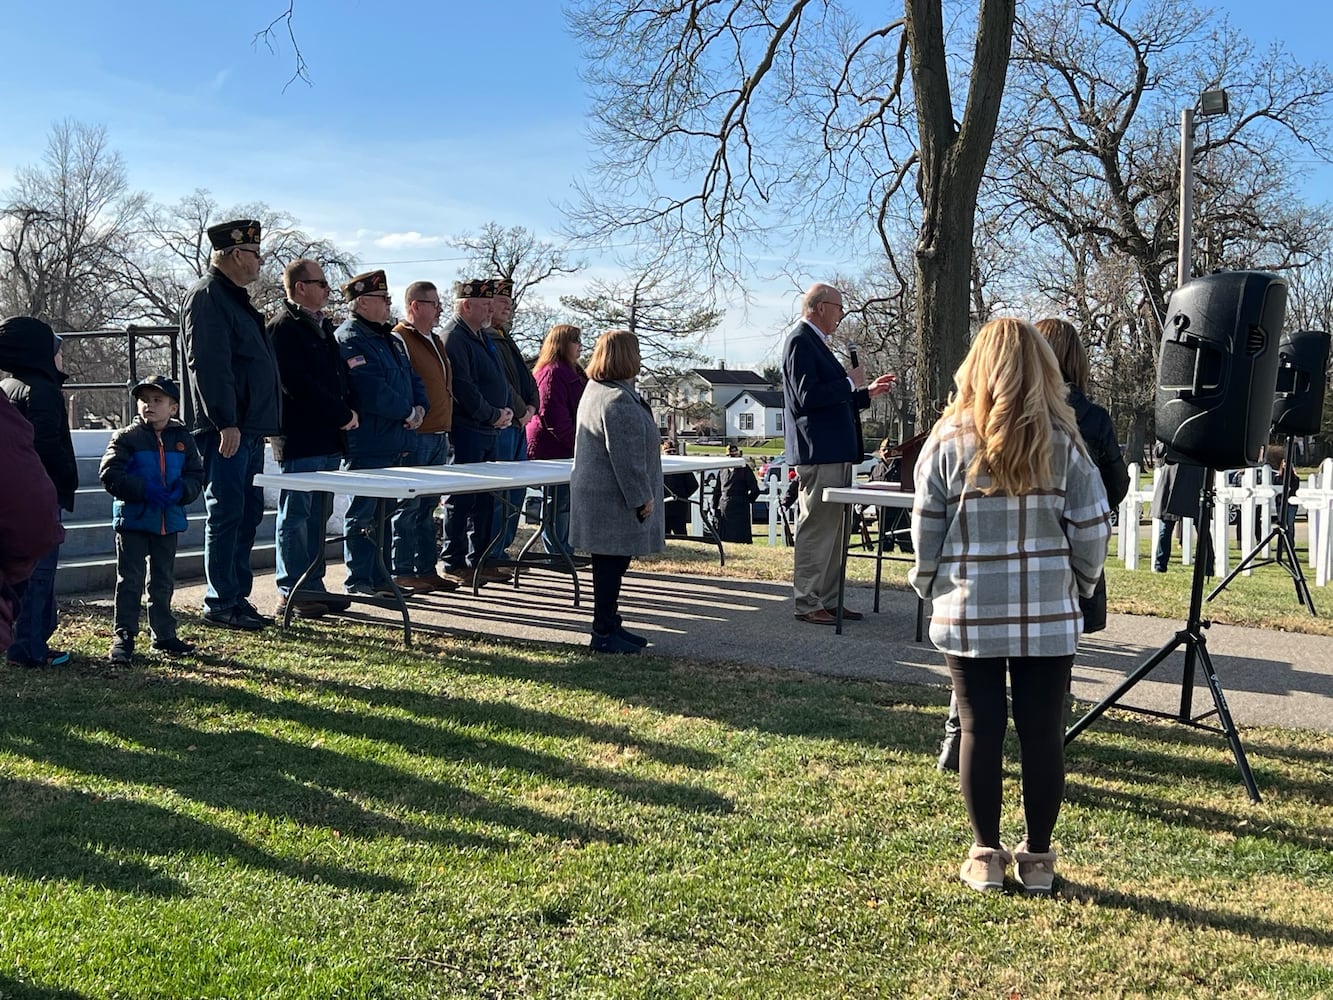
1211	102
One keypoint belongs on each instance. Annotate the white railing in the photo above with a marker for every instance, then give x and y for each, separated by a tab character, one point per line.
1316	497
1256	494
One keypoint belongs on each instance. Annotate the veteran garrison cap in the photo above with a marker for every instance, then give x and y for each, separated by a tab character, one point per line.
501	286
476	288
159	382
371	281
237	233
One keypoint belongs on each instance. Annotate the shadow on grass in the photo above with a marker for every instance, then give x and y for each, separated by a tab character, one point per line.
783	702
12	988
1158	754
49	832
1198	916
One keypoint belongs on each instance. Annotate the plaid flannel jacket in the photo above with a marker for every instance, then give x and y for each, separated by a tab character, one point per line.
1004	572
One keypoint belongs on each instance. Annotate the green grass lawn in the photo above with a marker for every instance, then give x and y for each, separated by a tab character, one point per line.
346	818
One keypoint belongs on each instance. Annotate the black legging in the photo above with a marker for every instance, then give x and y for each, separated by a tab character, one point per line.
607	574
1039	685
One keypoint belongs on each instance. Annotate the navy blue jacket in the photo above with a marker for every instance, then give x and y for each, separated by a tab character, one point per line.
821	422
481	390
135	455
384	389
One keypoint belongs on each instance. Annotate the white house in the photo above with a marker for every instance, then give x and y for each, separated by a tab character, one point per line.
755	413
694	401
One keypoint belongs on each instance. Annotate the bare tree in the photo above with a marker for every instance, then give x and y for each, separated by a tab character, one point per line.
1092	159
173	251
667	315
715	121
64	226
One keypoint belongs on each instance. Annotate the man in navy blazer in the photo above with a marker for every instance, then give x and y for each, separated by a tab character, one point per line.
821	400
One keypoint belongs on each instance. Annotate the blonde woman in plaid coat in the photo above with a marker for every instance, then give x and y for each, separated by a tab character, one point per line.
1010	525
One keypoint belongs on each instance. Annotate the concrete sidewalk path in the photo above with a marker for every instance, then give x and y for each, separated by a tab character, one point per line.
1269	678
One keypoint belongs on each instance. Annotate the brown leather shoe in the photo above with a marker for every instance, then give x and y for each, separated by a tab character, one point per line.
848	615
817	617
442	584
499	574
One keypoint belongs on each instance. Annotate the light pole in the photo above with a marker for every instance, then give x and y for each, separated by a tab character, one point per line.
1211	102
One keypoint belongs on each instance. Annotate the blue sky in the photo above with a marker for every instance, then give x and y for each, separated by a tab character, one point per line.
425	119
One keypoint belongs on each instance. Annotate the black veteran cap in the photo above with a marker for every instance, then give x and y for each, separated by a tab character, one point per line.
474	289
363	284
237	233
501	286
161	383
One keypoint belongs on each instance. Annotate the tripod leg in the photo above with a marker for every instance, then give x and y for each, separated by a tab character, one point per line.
1228	725
1293	568
1140	672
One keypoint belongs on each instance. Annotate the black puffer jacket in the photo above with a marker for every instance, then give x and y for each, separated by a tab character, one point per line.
28	353
1094	424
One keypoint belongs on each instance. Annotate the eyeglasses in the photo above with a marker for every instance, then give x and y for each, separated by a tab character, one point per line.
830	302
258	255
313	281
433	303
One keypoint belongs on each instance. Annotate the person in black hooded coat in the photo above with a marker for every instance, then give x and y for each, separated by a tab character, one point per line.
30	352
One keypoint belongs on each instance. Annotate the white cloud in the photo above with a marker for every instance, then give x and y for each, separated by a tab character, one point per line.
408	240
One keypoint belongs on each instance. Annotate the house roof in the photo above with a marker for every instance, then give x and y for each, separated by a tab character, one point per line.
770	399
730	376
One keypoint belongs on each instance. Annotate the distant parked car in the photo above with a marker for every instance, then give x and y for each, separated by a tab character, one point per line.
773	468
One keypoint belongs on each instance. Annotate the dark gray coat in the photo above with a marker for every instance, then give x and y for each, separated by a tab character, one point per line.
232	372
617	469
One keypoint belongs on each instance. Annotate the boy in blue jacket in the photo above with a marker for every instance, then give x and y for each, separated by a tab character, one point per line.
153	469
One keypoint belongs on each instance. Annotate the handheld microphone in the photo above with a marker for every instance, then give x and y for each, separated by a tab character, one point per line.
856	362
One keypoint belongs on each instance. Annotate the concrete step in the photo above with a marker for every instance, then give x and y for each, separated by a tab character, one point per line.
97	574
92	503
87	539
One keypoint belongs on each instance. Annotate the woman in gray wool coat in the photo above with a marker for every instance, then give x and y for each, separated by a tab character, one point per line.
616	483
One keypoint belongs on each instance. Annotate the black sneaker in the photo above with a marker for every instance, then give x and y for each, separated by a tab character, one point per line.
173	646
122	650
253	612
235	618
631	637
612	643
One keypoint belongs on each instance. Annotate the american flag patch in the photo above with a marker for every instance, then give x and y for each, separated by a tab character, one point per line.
357	361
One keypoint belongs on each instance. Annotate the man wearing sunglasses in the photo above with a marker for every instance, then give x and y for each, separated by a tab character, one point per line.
231	401
317	415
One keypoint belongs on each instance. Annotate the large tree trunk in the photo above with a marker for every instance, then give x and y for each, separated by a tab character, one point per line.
952	162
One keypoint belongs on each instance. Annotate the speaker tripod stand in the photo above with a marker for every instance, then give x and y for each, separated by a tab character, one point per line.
1284	548
1196	650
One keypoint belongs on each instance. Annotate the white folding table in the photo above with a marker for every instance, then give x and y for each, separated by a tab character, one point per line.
881	495
408	482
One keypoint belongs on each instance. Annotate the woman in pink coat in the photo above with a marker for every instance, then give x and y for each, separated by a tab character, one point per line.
560	384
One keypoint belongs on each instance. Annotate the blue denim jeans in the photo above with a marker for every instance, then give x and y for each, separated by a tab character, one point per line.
1161	553
414	547
300	527
35	622
360	525
511	445
556	538
468	516
234	506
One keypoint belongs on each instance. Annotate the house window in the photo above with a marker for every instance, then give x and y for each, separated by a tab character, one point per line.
778	425
747	421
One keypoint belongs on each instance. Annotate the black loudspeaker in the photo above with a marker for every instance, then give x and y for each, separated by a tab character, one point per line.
1302	377
1218	367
